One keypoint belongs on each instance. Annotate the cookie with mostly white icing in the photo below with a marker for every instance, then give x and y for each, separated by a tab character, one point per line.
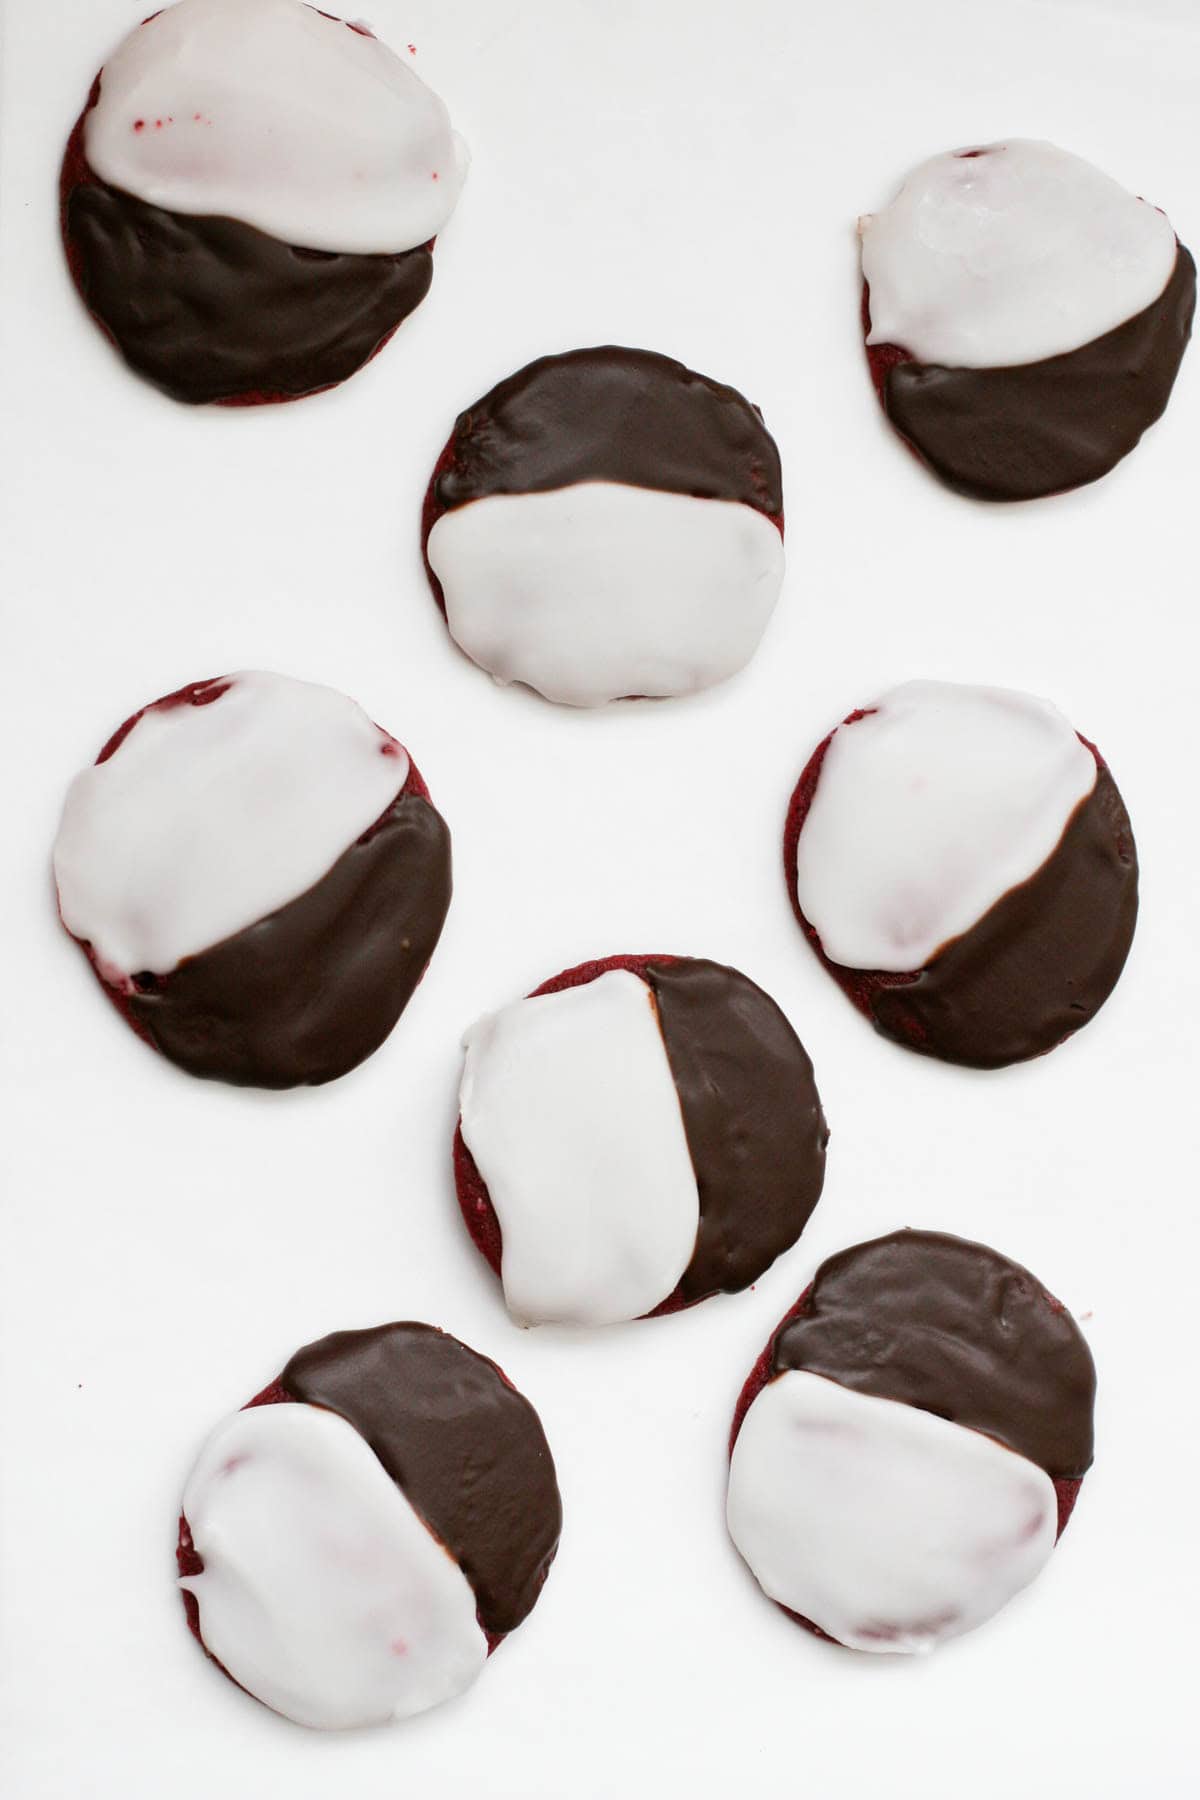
910	1445
258	877
356	1542
607	524
961	861
1025	317
636	1135
250	197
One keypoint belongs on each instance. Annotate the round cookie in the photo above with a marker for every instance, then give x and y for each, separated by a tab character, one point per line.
962	863
636	1135
607	525
1025	317
258	877
909	1446
357	1540
250	197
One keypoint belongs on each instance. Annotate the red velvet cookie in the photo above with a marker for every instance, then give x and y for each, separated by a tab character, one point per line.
250	197
258	877
422	1515
1025	318
718	1163
911	1443
962	863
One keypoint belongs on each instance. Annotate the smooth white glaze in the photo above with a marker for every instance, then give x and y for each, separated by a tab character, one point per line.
207	818
263	111
602	591
927	812
323	1591
891	1529
571	1113
1021	252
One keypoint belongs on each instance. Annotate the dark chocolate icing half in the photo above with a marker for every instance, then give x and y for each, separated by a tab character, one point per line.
467	1449
957	1330
307	993
609	414
209	309
1039	964
751	1115
1030	429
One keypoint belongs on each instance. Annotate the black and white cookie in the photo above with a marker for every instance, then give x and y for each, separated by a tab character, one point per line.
1025	317
910	1444
258	877
961	861
607	524
250	198
358	1539
636	1135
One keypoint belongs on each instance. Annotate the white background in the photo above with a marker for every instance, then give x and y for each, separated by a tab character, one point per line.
683	176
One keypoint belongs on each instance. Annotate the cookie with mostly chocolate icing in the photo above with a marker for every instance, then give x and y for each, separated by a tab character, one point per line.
910	1445
356	1542
636	1135
607	524
250	197
258	877
1025	317
962	863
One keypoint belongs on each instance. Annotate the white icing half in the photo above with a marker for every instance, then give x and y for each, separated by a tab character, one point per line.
571	1113
263	111
207	818
601	591
927	812
323	1591
1016	254
889	1528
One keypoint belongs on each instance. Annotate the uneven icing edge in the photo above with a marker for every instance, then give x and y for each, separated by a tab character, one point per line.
885	870
604	591
319	86
299	1618
552	1268
889	1529
144	902
1009	254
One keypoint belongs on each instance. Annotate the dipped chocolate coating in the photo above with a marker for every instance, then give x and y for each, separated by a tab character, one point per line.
957	1330
465	1447
308	992
209	309
1039	963
609	414
1030	429
752	1117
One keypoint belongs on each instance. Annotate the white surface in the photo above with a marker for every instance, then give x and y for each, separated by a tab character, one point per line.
263	111
598	591
927	812
571	1112
1020	252
208	818
167	1243
323	1591
892	1530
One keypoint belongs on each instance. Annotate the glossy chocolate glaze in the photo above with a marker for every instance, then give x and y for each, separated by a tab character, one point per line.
308	992
752	1117
209	309
1020	432
609	414
1041	962
957	1330
465	1447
